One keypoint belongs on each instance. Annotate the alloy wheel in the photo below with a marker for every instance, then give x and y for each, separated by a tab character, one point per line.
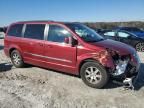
140	47
93	75
16	59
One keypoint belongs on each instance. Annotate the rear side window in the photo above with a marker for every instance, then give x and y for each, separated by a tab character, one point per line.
34	31
15	30
109	34
123	34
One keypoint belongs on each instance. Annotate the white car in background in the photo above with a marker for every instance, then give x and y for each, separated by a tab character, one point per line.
2	34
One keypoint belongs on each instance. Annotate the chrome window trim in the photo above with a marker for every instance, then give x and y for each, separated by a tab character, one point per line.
46	31
52	58
23	30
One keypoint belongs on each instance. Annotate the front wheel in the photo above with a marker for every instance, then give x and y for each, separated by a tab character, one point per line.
94	75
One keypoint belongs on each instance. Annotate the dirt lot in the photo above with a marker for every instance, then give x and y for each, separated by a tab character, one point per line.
34	87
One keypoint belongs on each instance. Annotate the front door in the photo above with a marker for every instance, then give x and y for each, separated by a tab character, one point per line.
59	54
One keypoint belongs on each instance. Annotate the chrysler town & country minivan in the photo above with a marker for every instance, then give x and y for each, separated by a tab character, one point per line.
71	48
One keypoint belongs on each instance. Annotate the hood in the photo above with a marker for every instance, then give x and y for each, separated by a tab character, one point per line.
122	48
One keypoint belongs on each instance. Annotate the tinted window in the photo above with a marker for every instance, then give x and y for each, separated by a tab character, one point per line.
57	34
109	34
34	31
1	29
123	34
15	30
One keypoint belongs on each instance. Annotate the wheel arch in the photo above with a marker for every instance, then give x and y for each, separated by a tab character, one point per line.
11	49
84	61
14	48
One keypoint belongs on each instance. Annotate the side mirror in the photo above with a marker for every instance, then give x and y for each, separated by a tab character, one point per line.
67	40
74	42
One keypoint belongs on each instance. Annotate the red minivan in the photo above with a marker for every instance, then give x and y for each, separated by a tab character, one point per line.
72	48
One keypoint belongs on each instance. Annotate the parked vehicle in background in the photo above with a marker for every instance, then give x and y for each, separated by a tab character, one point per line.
129	35
132	30
72	48
102	31
2	32
4	29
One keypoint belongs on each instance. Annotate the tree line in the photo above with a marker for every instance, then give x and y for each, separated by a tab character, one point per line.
111	25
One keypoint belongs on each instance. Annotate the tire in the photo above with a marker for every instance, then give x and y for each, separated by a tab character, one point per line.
16	59
140	47
94	75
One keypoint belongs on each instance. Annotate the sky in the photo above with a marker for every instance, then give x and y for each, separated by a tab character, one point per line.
71	10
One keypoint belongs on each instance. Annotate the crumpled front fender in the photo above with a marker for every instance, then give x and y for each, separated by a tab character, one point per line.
103	57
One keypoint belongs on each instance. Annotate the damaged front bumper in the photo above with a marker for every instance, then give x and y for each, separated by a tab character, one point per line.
126	66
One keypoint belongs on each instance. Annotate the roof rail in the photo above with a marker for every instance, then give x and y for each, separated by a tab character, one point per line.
37	21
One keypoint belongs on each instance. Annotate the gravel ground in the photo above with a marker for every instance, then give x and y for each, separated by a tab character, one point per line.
34	87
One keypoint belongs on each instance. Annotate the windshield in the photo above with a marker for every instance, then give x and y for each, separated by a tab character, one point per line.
133	29
85	32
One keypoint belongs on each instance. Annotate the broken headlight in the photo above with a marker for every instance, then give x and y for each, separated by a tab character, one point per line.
120	62
121	66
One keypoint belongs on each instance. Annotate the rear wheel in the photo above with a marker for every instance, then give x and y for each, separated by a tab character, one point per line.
17	59
94	75
140	47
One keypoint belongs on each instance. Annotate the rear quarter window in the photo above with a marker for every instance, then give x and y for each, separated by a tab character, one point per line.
15	30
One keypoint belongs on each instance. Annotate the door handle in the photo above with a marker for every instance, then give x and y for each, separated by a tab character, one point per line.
49	46
40	44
